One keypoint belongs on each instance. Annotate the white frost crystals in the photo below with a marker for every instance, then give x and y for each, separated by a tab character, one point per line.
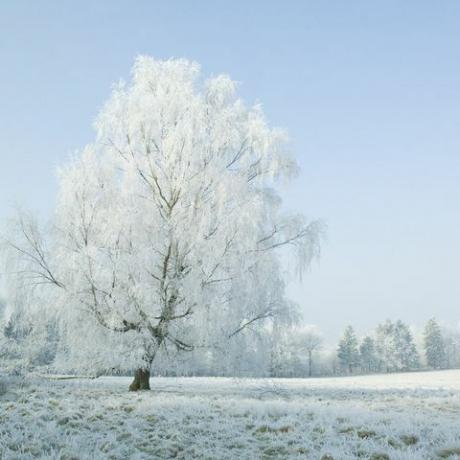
167	226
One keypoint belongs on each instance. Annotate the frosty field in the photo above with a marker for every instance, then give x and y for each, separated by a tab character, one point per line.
398	416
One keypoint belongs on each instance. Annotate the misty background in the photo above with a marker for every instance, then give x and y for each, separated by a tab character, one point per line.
369	93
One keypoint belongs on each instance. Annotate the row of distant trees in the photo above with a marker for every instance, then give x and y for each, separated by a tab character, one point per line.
391	347
276	351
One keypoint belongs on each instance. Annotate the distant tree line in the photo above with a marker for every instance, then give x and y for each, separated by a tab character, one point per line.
277	351
393	348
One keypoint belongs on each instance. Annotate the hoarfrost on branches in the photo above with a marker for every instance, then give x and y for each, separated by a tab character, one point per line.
167	226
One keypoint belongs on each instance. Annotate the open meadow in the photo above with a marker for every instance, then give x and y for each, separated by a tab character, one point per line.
395	416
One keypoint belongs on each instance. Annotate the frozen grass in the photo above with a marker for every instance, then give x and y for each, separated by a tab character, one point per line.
400	416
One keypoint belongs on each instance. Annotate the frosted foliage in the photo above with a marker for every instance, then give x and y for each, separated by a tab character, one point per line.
395	347
434	345
167	226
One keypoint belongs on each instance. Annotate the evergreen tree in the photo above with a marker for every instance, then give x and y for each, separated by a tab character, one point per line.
367	355
452	347
384	345
348	350
434	346
406	355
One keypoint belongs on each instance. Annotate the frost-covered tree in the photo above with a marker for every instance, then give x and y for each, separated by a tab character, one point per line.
281	352
309	341
406	355
293	350
385	346
452	346
367	355
347	352
167	227
433	344
395	347
26	340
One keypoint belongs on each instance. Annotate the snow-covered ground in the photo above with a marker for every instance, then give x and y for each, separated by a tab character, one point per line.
398	416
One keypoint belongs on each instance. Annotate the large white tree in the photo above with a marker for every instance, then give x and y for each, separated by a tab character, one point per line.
168	227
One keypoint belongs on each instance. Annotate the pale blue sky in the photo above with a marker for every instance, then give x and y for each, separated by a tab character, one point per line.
369	92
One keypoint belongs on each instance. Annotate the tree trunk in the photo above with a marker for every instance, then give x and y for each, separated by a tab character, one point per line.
309	363
141	380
